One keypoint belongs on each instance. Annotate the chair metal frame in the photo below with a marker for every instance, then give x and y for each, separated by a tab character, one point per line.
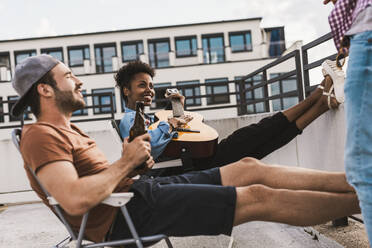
115	200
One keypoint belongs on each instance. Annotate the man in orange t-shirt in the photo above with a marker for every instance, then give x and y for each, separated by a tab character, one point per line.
208	202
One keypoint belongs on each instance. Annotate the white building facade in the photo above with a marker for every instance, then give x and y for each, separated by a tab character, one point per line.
190	54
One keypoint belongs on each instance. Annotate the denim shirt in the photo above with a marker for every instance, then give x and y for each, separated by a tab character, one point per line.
160	136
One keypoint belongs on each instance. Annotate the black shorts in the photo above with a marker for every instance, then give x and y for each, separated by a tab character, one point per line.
185	205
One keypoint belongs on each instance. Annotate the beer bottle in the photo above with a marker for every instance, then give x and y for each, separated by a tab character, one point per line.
138	127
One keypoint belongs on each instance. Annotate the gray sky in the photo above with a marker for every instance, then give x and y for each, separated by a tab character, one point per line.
303	19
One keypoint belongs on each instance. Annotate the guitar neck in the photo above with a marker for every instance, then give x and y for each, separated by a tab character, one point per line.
177	108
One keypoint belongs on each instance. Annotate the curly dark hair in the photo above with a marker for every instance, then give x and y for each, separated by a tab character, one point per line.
126	73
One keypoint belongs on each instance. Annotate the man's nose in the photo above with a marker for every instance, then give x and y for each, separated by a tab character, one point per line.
78	82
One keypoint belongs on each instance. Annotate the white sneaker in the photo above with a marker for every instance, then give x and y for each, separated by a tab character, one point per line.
338	78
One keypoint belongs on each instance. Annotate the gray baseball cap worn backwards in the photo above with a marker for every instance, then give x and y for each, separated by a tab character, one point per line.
27	73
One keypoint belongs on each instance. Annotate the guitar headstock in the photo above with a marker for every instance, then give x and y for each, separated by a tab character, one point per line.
169	92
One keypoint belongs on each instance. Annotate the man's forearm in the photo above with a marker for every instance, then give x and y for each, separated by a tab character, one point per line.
79	194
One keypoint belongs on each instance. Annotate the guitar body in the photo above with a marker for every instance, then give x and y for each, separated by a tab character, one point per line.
199	144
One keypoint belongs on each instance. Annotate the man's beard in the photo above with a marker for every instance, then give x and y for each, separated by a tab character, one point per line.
66	102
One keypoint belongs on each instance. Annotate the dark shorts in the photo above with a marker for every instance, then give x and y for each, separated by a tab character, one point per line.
185	205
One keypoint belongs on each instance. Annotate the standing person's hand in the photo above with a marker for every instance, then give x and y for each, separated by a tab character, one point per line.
327	1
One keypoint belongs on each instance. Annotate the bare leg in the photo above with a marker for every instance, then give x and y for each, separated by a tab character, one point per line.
249	171
300	208
299	109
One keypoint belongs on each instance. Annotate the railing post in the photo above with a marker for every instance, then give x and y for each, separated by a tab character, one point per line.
300	86
305	62
266	91
112	105
242	100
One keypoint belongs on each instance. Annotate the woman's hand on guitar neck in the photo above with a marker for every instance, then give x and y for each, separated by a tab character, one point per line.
177	122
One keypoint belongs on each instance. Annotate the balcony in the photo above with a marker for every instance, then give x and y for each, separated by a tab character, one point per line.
319	147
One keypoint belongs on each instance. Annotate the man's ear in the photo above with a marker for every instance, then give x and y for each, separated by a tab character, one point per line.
45	90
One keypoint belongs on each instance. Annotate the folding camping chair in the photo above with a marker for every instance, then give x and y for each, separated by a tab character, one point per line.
115	200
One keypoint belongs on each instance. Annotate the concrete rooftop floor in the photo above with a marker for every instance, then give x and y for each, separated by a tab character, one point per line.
33	225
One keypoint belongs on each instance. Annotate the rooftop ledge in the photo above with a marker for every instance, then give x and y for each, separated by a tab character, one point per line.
319	147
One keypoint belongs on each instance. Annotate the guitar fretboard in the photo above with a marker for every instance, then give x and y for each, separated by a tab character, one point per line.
177	107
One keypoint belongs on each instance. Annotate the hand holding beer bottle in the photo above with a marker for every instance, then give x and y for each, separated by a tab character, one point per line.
138	127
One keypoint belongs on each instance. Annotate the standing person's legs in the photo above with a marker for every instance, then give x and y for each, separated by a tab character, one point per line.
358	102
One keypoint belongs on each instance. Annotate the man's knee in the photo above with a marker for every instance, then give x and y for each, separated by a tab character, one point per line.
251	164
253	203
257	193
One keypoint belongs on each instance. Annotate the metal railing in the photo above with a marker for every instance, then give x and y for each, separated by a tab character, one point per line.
309	66
245	89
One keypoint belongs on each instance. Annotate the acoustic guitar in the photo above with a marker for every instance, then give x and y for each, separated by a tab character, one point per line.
197	138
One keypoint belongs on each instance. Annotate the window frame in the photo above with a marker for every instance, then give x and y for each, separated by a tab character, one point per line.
212	97
10	66
26	113
99	105
159	95
2	114
154	41
53	49
83	111
188	38
214	35
79	47
101	46
185	86
133	42
281	91
257	79
29	51
244	32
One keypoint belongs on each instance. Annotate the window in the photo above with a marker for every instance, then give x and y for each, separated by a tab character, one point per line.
277	41
280	87
77	55
186	46
54	52
131	50
159	53
213	48
190	89
82	111
1	110
104	54
5	74
217	89
21	55
160	89
11	101
104	98
255	94
248	94
240	41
